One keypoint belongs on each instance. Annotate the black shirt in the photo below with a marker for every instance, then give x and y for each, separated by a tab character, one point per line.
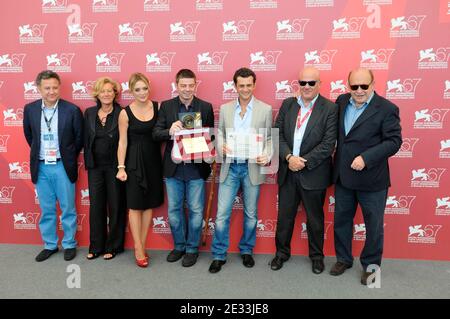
102	148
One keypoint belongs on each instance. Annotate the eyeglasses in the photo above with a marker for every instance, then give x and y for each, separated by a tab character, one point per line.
362	86
310	83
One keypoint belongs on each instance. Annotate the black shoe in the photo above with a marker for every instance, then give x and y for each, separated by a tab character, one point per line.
189	259
318	266
248	260
216	265
175	255
277	263
339	268
70	253
45	254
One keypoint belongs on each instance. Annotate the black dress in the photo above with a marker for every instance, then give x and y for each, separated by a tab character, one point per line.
143	164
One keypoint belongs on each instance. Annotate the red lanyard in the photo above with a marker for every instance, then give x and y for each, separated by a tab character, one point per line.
301	120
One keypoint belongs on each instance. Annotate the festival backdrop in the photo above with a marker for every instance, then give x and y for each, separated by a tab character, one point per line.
406	43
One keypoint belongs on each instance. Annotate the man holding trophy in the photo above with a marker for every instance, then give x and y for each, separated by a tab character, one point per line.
244	143
184	178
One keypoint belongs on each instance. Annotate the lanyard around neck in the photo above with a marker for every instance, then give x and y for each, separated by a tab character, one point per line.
48	122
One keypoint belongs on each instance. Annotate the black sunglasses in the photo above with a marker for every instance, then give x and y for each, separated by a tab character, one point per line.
362	86
310	83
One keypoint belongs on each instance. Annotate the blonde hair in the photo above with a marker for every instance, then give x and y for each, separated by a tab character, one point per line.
98	86
135	78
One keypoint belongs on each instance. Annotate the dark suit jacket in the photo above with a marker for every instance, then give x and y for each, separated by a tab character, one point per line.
90	116
168	114
376	135
70	135
317	144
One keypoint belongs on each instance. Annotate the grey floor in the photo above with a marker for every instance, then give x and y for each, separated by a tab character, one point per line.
22	277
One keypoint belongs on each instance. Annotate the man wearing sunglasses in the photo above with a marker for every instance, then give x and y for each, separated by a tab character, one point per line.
307	126
369	133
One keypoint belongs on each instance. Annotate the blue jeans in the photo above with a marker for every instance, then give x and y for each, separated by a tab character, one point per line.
54	185
194	191
237	177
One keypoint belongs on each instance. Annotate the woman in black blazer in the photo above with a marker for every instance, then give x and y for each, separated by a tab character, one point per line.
106	193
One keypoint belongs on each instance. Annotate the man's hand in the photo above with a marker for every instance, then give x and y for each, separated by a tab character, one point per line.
226	150
296	163
358	163
262	160
176	126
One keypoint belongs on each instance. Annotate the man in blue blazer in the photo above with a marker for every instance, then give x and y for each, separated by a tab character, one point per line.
53	129
369	133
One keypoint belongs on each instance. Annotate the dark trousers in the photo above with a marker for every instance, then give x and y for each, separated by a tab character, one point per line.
372	206
290	195
107	197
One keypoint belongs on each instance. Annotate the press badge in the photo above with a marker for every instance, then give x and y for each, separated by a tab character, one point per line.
49	151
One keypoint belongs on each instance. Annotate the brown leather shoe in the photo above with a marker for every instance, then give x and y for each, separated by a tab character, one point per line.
365	275
339	268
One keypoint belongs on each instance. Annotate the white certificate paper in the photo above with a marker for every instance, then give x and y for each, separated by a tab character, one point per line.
244	145
195	145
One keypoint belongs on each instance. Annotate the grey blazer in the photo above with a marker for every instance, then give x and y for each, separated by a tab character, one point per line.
261	118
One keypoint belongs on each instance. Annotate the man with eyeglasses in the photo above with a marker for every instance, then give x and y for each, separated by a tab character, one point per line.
369	133
307	126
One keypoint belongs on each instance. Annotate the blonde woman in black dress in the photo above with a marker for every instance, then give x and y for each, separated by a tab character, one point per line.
140	164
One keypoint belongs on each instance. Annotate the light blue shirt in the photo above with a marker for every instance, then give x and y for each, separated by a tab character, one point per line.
352	112
48	112
243	124
300	132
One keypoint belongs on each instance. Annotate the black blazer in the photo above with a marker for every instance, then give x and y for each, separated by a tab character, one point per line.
168	114
70	135
317	144
376	135
90	116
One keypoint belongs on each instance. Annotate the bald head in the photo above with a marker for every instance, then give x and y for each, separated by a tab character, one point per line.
309	80
360	72
361	85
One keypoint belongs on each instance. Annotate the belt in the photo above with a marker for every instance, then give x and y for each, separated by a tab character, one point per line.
58	159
